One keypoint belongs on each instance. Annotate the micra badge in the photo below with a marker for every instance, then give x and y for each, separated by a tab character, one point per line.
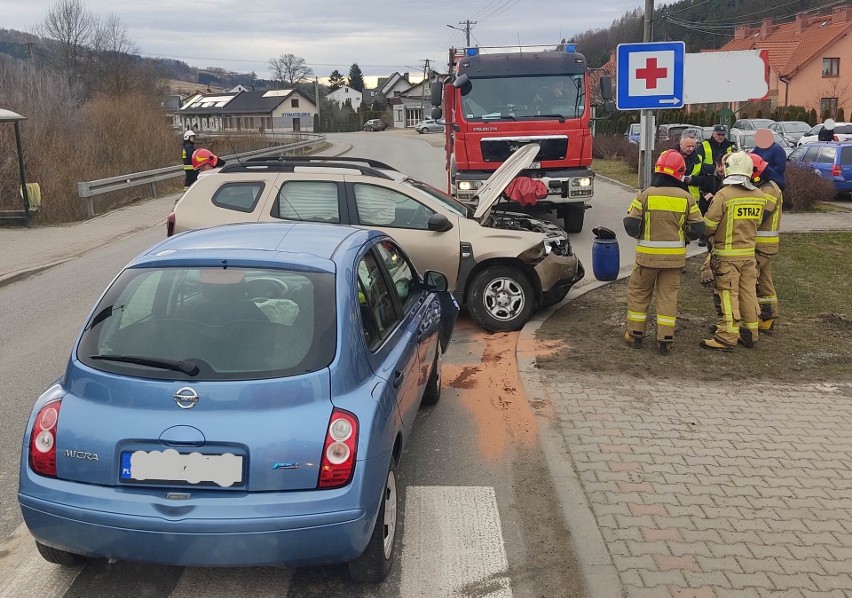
285	465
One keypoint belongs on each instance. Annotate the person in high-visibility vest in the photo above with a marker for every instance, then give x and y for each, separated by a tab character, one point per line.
731	224
190	174
766	246
693	156
662	218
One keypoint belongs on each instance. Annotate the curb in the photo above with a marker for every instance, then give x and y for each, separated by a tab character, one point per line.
610	181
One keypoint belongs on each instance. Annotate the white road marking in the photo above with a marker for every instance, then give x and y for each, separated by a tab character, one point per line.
200	582
25	573
453	543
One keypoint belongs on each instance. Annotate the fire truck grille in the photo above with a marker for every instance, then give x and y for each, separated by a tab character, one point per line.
497	149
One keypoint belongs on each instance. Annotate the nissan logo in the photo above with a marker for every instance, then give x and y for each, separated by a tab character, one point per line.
186	398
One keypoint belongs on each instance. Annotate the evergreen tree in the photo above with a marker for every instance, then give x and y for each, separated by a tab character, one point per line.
356	77
335	80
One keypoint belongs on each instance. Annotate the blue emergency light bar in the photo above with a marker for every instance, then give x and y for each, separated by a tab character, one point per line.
571	48
472	51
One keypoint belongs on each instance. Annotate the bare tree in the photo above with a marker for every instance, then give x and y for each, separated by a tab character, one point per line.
837	89
290	69
72	27
115	64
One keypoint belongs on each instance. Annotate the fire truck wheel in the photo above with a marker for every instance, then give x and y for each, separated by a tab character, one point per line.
501	298
572	217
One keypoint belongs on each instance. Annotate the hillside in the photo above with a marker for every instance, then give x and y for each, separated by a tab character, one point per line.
702	24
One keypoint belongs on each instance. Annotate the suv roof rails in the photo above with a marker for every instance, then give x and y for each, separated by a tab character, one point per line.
303	159
290	166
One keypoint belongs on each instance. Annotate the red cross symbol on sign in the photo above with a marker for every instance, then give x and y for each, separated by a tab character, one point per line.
651	73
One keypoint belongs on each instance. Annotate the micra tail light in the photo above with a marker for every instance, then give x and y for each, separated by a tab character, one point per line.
43	439
338	453
836	170
170	224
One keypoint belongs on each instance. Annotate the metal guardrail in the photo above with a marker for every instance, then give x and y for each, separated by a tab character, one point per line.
89	189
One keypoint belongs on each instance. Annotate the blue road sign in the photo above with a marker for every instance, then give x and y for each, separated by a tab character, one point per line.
650	76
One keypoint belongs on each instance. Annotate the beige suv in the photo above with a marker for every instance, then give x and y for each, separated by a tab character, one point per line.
502	265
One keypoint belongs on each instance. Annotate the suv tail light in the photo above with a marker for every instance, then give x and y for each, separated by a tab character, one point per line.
338	453
836	170
170	224
43	440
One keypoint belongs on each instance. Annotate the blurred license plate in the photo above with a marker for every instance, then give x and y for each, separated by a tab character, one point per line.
535	164
192	468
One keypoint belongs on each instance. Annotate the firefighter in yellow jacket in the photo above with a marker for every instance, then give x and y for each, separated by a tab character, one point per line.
767	245
732	221
661	217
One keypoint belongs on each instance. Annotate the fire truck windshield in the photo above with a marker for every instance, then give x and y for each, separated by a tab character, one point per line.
512	98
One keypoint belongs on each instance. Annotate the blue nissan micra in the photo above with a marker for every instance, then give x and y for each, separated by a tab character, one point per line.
240	396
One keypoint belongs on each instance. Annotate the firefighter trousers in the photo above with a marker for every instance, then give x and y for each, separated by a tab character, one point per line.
643	281
766	296
736	288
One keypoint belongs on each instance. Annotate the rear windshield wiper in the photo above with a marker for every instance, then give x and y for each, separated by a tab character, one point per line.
186	367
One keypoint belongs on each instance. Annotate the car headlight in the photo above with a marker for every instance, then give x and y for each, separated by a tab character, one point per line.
468	185
583	182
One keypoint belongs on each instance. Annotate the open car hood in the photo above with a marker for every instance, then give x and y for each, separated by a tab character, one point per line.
490	192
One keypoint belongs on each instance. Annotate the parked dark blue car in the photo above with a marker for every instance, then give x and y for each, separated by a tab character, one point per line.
240	396
831	159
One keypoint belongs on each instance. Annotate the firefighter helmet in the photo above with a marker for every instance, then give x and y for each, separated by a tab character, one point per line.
188	134
203	157
759	165
671	163
738	163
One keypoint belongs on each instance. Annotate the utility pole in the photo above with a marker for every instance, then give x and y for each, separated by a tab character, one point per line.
467	25
646	117
423	90
316	95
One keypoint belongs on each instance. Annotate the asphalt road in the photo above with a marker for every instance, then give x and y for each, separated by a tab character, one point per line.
481	513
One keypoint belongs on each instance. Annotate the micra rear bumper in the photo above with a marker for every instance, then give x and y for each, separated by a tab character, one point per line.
559	272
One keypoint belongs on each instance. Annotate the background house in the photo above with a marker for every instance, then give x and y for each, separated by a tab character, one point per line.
342	94
810	59
412	105
282	110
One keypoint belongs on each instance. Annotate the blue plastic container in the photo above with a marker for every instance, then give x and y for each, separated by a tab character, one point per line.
605	258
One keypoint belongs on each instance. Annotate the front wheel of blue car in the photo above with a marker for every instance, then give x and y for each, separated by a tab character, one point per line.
374	564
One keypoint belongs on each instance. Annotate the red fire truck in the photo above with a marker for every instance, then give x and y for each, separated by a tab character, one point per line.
495	100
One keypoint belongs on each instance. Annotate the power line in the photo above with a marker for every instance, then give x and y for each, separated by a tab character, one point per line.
737	20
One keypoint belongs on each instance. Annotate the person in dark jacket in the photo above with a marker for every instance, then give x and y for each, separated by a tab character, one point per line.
718	145
693	156
826	133
773	154
190	174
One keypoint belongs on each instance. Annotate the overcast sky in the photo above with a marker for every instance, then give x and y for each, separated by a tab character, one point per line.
382	36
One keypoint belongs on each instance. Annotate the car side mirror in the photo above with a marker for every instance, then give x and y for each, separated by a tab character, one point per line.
437	113
435	281
435	93
463	83
439	223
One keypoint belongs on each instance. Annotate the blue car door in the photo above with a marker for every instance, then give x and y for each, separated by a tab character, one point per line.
389	334
419	317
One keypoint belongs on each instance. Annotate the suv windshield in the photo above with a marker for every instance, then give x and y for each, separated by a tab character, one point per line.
212	324
511	98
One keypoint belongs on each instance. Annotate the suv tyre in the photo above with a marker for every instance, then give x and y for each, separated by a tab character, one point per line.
501	298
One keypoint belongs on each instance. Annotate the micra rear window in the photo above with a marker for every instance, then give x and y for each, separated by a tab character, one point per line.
846	154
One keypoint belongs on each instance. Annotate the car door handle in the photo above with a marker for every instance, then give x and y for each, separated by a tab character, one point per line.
398	377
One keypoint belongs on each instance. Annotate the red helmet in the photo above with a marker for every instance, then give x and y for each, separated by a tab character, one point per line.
759	165
671	163
203	157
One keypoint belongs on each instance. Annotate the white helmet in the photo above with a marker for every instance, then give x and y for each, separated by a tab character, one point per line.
188	134
738	163
828	124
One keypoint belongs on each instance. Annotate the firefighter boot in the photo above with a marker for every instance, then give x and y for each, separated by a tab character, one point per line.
767	326
713	344
746	338
633	339
664	347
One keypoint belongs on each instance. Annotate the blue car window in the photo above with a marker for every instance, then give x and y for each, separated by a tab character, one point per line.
827	154
375	302
812	153
233	324
308	201
402	273
846	155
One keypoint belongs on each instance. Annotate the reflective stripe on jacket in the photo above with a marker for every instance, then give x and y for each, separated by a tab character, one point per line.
665	213
767	233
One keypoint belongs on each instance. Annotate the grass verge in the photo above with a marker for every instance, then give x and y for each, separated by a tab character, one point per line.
617	170
813	341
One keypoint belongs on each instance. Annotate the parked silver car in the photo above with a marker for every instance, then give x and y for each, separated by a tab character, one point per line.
430	125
